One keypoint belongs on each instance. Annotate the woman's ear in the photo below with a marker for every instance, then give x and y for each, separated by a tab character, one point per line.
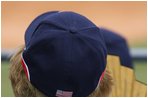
105	87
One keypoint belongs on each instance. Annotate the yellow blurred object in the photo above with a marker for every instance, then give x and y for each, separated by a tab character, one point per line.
139	89
125	84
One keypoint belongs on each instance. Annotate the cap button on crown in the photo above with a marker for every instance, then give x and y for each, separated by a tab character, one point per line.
72	31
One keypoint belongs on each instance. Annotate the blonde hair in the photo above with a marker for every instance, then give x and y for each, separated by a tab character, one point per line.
23	88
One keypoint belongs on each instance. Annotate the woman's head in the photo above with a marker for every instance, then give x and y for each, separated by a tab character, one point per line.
23	88
64	55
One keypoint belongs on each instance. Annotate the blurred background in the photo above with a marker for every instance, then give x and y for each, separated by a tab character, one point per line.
126	18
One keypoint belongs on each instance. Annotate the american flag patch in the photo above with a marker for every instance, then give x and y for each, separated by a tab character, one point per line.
61	93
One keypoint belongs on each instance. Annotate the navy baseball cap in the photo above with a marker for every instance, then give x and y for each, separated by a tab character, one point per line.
65	54
117	45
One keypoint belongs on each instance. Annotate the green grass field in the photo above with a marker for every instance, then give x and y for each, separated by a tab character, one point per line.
6	90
